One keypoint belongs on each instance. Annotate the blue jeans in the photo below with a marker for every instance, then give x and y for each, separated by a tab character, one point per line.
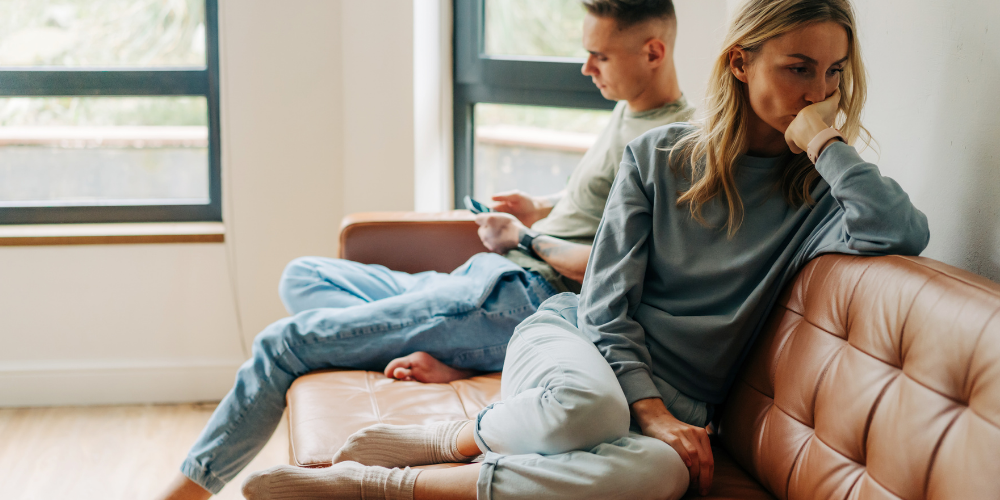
352	315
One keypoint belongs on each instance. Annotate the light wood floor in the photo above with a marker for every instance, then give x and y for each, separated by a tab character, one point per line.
107	452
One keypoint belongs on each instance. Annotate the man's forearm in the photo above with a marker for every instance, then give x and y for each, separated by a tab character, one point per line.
568	259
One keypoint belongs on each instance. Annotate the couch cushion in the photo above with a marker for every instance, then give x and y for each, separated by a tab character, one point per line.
325	407
874	378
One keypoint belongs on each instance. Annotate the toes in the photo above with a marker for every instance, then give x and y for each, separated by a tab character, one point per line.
395	364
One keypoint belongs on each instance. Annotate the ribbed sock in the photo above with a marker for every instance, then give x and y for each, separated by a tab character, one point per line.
404	445
343	481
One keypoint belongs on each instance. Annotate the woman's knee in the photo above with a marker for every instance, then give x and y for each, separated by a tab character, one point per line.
586	417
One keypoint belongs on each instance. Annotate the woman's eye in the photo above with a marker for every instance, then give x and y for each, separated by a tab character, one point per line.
834	72
799	71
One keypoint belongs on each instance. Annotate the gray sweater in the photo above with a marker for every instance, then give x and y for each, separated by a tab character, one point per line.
667	297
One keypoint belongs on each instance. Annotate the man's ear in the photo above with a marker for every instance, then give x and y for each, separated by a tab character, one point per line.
656	51
738	63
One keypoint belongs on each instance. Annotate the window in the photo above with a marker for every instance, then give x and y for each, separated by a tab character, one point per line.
109	111
524	114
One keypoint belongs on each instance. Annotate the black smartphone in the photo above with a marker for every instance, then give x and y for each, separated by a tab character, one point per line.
475	207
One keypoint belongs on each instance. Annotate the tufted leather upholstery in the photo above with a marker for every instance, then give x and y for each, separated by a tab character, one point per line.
874	378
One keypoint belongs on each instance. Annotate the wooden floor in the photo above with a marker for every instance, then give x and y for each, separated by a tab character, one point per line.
107	452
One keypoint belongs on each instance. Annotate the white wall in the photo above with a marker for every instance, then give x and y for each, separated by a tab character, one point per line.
934	108
700	28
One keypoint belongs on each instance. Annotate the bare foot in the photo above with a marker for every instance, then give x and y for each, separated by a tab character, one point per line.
422	367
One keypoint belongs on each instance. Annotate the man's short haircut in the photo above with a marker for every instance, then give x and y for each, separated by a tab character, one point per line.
631	12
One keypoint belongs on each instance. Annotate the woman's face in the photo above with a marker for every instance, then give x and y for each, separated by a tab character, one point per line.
792	71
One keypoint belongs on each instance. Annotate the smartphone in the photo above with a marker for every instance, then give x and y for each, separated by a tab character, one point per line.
476	207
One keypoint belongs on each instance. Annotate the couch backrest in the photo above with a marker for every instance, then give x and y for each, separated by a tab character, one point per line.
412	242
874	378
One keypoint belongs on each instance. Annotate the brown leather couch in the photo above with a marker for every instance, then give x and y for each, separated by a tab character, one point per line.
875	378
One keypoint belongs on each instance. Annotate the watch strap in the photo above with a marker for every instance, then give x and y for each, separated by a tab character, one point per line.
526	243
821	139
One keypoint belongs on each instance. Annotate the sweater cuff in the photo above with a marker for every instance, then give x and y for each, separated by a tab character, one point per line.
637	384
836	159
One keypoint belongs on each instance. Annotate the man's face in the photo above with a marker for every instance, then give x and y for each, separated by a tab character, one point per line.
617	64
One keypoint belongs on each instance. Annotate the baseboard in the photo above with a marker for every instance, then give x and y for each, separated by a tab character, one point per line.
114	382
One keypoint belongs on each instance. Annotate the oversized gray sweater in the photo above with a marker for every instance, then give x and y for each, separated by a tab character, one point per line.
667	297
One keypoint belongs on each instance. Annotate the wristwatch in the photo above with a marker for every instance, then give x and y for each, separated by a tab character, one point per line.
527	238
822	138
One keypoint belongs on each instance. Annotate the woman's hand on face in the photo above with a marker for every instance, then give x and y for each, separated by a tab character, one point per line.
812	120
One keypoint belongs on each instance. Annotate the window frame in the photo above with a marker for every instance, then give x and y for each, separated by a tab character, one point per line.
151	82
526	80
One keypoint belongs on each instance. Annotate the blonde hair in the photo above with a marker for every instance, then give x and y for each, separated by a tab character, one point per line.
712	149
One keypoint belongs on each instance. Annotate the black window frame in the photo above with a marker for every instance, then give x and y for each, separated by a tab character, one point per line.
482	78
159	82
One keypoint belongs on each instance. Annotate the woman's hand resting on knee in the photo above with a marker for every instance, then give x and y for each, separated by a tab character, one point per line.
690	442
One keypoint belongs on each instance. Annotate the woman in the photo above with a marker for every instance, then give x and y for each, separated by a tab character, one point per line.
704	226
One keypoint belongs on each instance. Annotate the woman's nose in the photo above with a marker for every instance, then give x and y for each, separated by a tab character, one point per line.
588	66
817	91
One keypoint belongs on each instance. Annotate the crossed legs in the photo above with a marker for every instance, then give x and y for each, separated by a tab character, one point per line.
561	431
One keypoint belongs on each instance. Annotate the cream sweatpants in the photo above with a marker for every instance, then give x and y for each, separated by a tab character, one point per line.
561	430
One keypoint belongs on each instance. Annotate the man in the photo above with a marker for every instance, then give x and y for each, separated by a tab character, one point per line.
436	327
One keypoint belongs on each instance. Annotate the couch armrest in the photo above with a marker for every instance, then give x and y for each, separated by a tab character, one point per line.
410	241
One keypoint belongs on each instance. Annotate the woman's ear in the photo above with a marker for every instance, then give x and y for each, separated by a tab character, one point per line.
738	63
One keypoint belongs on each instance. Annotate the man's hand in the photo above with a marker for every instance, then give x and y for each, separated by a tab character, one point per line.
812	120
527	209
500	232
690	442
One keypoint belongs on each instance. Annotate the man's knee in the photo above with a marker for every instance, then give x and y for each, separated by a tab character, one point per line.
299	268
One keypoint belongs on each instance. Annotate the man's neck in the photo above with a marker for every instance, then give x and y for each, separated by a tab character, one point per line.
663	90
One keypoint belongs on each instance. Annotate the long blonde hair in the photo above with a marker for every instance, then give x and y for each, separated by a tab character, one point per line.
712	149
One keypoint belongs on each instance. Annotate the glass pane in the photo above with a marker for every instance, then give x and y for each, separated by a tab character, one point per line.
531	148
109	33
85	151
534	28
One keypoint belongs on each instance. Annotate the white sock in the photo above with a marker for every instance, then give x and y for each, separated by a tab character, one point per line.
343	481
404	445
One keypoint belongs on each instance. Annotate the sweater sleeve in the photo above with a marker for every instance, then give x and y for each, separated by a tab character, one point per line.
612	285
873	216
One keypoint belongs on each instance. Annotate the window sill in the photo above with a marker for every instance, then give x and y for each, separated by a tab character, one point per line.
112	234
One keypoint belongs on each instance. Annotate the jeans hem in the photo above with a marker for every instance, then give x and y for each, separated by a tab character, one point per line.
202	477
485	448
484	485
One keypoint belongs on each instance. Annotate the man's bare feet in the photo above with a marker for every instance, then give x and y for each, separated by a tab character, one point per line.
422	367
